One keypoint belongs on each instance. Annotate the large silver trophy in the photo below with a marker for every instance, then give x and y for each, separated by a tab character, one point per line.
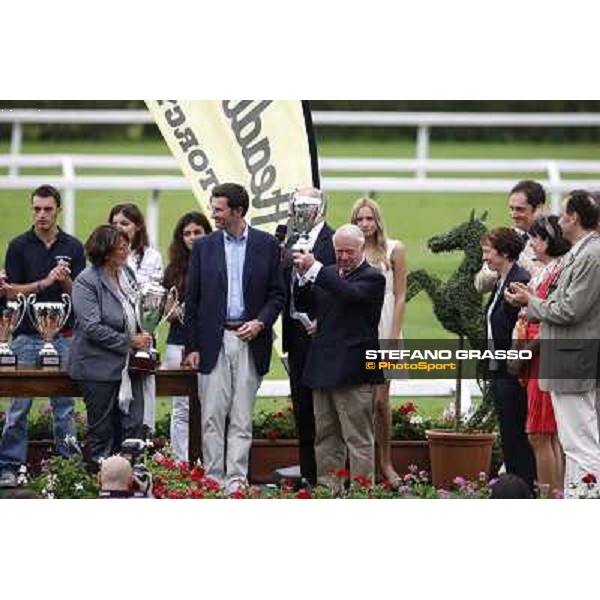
306	211
48	318
11	315
151	304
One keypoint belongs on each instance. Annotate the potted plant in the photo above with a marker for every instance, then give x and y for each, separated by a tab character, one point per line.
274	443
409	444
466	449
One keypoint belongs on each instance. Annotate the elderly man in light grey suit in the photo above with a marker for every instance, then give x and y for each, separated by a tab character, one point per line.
570	350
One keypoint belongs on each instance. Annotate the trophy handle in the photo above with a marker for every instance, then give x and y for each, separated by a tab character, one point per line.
23	304
29	309
67	300
172	291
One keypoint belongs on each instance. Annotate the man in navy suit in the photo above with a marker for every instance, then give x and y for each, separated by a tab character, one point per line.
233	296
296	329
346	298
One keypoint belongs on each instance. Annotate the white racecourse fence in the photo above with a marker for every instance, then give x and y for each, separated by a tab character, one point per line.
362	179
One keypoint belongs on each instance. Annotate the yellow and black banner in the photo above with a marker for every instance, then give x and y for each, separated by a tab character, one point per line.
267	146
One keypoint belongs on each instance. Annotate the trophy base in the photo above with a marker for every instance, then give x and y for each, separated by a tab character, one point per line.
144	362
8	361
48	361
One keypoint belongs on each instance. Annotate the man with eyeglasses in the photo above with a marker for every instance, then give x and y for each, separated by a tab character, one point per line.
233	296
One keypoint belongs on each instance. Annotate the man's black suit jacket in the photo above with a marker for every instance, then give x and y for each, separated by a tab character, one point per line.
325	254
347	312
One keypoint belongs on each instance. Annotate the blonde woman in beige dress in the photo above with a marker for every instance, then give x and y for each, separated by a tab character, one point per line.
390	257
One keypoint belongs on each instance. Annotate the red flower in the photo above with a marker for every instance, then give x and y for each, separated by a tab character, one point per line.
197	494
197	474
303	495
183	466
589	479
407	408
163	461
211	485
271	434
238	494
362	481
175	495
342	474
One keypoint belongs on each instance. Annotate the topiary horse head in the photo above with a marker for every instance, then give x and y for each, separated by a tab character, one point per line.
456	302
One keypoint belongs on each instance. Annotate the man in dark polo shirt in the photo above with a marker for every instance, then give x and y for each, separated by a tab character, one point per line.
42	261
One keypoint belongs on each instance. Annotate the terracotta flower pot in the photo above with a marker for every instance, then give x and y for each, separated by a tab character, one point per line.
410	452
268	455
458	454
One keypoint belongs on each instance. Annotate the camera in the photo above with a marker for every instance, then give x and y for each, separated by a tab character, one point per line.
133	450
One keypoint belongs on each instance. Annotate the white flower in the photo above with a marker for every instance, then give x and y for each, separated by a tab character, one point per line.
70	440
23	469
79	487
416	420
149	443
22	479
449	412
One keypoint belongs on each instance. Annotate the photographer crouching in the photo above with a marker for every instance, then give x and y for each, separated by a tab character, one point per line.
124	476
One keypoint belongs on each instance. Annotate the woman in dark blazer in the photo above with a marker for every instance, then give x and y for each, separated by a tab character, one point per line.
104	335
501	249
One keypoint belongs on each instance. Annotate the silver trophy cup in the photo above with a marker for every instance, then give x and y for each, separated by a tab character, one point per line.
306	212
151	306
11	315
48	318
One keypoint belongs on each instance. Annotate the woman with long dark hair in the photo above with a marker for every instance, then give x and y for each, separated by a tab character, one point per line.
145	263
548	245
143	260
191	226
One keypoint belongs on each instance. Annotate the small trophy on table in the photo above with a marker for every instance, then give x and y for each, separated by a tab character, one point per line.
48	318
11	315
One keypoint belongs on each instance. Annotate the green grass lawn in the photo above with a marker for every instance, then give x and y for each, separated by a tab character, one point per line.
411	217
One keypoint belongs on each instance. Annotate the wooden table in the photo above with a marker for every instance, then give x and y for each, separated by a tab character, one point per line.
30	382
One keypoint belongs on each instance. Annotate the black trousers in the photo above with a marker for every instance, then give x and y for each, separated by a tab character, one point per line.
302	401
510	401
107	426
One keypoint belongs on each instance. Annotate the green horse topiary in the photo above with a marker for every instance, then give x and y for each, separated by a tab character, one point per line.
457	304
